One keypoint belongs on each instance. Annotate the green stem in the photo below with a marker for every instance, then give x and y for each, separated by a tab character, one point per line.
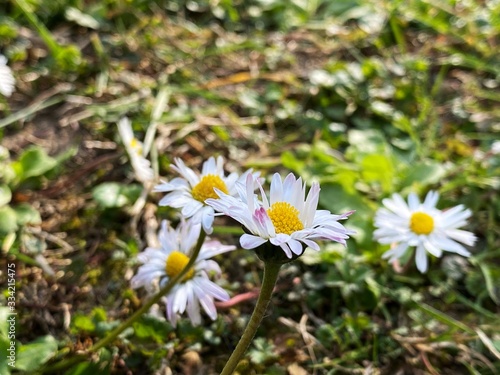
114	334
39	26
271	271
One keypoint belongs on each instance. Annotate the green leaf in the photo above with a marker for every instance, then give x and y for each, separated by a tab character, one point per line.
378	168
8	220
149	327
363	142
5	195
26	214
112	194
31	356
34	162
424	173
335	199
4	324
83	323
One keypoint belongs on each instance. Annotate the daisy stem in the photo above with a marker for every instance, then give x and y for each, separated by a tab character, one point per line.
271	271
127	323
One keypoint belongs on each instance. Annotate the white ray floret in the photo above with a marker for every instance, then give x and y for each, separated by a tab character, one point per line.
288	219
159	265
190	191
423	226
7	80
142	166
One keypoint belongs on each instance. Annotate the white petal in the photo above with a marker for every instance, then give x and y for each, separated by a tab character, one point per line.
451	246
172	317
463	236
180	301
205	300
396	252
313	245
209	167
207	219
421	259
212	248
191	208
276	189
397	205
288	187
311	204
249	241
431	200
432	248
280	238
193	307
413	201
295	246
185	172
7	80
213	289
287	250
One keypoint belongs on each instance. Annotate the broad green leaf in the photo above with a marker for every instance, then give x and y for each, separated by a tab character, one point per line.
4	364
31	356
337	200
5	195
83	323
4	325
8	220
149	327
112	194
378	168
34	162
363	142
426	173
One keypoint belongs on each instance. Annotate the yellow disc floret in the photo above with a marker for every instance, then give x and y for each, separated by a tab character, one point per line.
176	262
285	218
205	188
421	223
136	145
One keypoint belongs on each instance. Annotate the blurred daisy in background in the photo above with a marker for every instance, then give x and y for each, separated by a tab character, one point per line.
423	226
288	219
190	191
142	166
159	265
7	80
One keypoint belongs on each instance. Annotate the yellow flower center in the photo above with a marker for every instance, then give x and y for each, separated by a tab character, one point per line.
205	188
176	262
421	223
285	218
135	145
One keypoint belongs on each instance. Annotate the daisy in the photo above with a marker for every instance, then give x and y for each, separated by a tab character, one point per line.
288	219
7	80
190	191
141	165
159	265
423	226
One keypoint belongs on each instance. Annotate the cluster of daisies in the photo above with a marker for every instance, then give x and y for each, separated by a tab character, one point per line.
287	221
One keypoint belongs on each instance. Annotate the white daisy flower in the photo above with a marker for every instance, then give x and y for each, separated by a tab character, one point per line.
190	191
288	220
141	165
421	225
7	80
159	265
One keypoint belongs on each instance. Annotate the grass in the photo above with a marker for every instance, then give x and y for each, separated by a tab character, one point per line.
367	97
